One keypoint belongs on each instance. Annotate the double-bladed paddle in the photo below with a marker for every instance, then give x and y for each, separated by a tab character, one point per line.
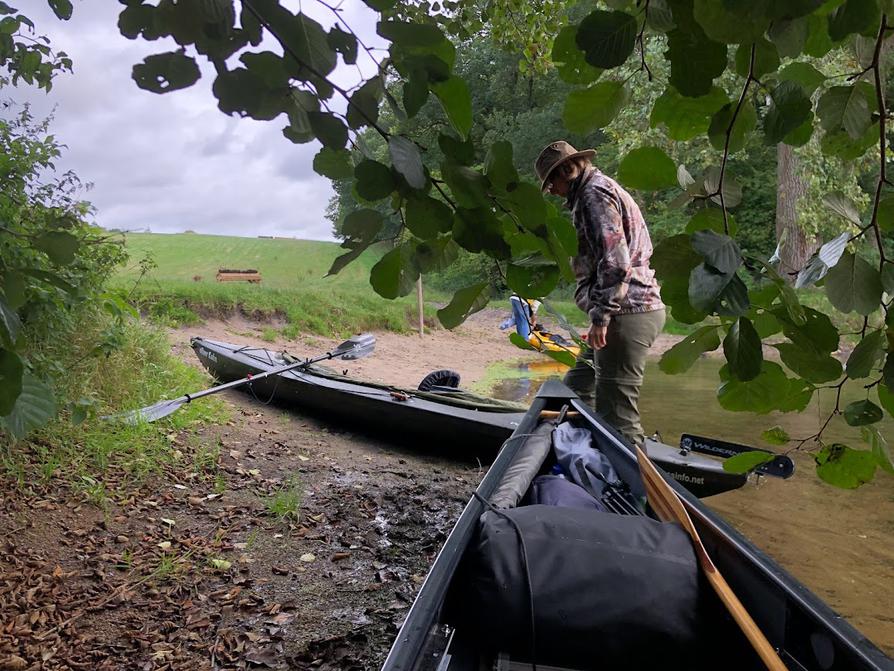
669	508
355	348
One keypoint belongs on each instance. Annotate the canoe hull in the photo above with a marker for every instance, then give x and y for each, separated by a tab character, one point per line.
423	424
806	632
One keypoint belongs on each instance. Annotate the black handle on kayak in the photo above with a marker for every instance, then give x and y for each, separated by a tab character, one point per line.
780	467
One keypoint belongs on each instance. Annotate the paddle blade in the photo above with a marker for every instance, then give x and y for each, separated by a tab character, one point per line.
150	413
356	347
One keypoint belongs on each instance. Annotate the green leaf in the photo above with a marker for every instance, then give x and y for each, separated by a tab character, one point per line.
12	285
791	108
374	180
465	302
854	285
685	117
594	107
719	251
532	281
680	357
457	103
411	35
732	192
498	165
563	357
854	16
303	36
526	203
866	355
711	219
647	169
842	206
341	261
808	364
844	467
569	60
745	462
521	343
731	23
329	129
344	43
391	276
407	160
34	407
469	187
363	224
840	145
61	8
766	58
162	73
695	61
479	230
886	398
720	123
818	41
363	108
427	217
10	324
848	108
606	38
810	330
888	279
333	163
673	260
879	447
885	215
565	233
804	74
415	91
775	435
743	350
60	246
789	36
461	152
11	372
860	413
760	395
244	92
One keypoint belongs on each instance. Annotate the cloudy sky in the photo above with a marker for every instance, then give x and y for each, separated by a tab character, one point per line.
175	162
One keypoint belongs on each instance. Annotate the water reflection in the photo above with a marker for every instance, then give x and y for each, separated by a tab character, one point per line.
839	543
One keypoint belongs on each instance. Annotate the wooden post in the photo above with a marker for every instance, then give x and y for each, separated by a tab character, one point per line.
419	302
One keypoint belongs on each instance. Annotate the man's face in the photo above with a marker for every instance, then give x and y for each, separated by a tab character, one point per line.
557	185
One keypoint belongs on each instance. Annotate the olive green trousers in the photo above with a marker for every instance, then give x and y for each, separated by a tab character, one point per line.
610	383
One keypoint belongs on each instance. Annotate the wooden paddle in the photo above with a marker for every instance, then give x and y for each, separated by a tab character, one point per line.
668	506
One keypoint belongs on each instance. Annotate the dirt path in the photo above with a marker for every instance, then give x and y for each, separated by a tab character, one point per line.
195	571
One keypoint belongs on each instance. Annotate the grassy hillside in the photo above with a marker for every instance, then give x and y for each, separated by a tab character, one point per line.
181	288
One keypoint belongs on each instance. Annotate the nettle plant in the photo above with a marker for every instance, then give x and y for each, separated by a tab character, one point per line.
732	69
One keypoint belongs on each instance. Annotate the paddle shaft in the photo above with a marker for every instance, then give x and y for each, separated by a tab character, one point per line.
668	506
261	376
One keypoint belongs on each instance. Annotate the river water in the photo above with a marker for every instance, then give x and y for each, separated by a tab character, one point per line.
840	543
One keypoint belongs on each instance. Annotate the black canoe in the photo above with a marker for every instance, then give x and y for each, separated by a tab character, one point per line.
804	630
470	426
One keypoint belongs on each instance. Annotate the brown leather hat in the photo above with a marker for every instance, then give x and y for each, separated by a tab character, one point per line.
553	156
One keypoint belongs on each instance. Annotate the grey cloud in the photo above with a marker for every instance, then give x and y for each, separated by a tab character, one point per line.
175	162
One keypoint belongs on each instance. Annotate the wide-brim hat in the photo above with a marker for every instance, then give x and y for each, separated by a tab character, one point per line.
554	155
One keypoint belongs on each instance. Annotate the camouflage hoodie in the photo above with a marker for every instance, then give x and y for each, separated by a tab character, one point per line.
612	262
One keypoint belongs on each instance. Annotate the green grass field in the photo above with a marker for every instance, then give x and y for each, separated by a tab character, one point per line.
182	287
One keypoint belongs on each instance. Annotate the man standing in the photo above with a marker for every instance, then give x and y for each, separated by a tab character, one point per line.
615	285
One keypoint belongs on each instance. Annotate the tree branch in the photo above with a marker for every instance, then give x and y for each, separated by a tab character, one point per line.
729	131
882	148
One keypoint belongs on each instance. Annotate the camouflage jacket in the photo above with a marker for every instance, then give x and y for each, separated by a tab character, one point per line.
612	262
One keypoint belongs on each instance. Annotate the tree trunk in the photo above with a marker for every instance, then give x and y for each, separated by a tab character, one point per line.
796	247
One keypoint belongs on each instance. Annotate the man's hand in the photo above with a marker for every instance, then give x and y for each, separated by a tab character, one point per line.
596	336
